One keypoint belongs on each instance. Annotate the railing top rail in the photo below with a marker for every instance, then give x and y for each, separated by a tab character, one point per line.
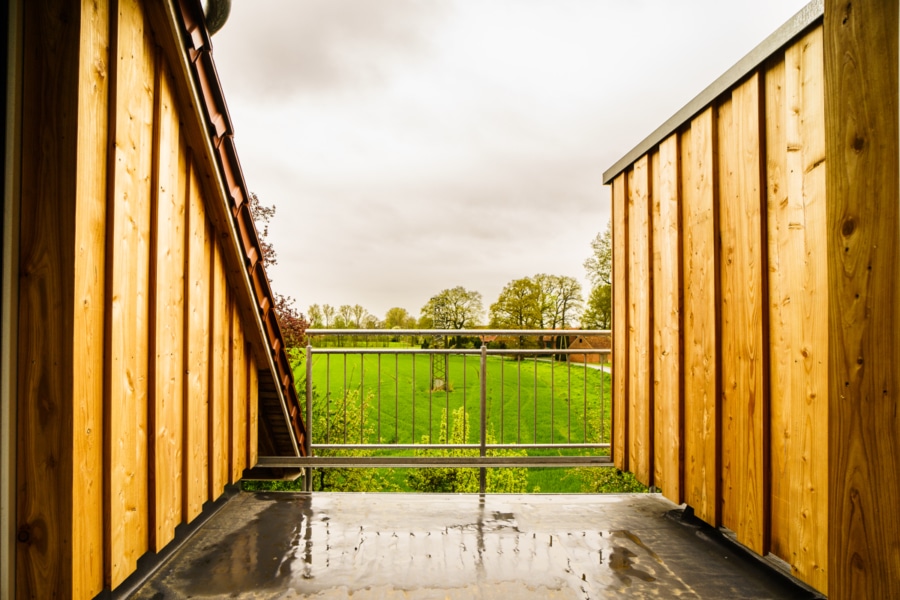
461	332
455	351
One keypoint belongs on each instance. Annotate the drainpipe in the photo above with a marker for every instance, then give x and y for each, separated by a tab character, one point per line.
216	13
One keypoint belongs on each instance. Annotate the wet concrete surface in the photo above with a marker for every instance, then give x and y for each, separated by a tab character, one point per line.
411	546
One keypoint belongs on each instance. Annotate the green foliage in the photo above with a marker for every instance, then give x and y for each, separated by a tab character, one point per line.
599	264
599	308
345	420
512	480
609	480
453	308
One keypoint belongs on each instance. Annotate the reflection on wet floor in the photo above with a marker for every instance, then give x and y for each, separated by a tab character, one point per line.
443	546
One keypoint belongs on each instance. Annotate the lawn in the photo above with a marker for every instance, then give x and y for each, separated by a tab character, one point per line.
527	401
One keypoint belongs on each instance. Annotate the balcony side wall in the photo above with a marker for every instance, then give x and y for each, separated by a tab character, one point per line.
733	310
133	383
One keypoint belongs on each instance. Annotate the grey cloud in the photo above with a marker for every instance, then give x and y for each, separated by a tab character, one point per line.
318	44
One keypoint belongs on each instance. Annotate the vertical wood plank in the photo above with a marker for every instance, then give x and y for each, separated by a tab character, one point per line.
47	238
640	404
238	429
90	256
197	349
127	300
220	326
863	221
744	389
167	317
620	322
701	411
253	411
667	399
798	338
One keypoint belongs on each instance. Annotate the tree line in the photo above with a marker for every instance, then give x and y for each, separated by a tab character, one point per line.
541	301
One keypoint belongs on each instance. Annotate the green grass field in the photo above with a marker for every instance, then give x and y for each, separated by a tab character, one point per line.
527	402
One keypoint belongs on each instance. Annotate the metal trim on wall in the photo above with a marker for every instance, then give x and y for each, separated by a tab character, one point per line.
798	24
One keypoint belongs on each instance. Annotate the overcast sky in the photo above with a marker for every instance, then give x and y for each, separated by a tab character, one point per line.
411	146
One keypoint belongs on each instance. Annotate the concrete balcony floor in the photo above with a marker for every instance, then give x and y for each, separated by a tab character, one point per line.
292	545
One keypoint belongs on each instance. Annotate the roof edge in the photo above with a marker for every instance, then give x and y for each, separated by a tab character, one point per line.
798	24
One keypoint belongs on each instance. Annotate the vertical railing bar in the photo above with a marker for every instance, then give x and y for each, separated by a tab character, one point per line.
447	396
362	392
327	398
307	474
519	411
552	394
430	395
502	395
378	438
413	434
584	418
345	399
465	396
569	397
397	398
482	473
534	399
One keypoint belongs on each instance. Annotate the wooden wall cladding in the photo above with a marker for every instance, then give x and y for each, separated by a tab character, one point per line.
719	246
136	373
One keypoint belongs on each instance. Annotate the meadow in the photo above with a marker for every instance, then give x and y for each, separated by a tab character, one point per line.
527	401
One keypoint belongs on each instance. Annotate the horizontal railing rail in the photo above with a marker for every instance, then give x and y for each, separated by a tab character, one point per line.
536	406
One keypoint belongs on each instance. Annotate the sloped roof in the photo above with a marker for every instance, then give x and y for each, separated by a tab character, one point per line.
287	413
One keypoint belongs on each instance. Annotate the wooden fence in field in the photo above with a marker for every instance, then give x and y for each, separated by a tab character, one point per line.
721	334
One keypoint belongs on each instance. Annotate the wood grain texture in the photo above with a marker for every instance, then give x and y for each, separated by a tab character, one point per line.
620	323
127	300
667	397
253	411
88	334
220	328
167	318
700	273
198	278
45	406
744	389
863	221
640	404
798	338
239	411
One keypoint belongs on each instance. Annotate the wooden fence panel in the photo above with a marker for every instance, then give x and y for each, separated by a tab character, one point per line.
253	411
238	424
219	404
640	405
700	280
167	319
744	449
621	335
197	349
128	302
667	399
863	246
798	308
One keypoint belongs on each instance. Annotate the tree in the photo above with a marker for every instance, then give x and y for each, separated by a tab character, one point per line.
519	305
359	315
598	314
328	314
599	263
449	480
344	317
315	315
559	300
454	308
398	317
262	214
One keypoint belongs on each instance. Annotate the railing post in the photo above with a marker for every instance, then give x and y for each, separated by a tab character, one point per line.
482	472
307	475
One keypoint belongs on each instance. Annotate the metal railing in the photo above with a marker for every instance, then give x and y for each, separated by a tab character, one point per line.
560	418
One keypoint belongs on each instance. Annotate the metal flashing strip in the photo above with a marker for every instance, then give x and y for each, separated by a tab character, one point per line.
805	18
218	122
